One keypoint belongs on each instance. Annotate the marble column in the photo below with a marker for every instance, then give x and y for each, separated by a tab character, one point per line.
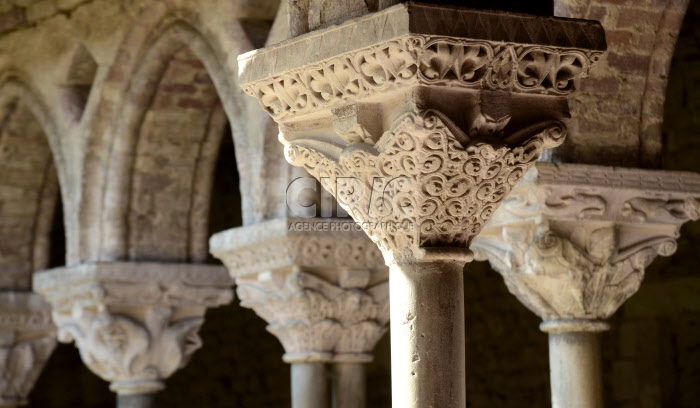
321	285
420	119
27	338
134	323
572	243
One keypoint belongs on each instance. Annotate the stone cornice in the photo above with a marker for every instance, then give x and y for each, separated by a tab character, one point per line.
136	283
303	242
418	45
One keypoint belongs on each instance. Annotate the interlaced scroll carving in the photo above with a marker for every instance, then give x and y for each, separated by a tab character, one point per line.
316	320
425	182
419	59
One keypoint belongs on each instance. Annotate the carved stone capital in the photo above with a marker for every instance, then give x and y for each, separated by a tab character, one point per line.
27	338
425	183
419	123
320	284
573	241
134	323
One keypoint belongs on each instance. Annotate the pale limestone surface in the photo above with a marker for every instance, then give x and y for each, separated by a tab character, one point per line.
27	338
134	323
572	243
420	119
322	287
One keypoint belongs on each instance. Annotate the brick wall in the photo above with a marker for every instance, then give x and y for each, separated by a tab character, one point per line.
617	115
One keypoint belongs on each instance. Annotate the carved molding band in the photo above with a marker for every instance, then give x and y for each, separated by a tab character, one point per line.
422	60
424	183
420	44
307	242
134	323
134	283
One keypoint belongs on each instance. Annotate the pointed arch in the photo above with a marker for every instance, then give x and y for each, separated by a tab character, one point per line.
31	168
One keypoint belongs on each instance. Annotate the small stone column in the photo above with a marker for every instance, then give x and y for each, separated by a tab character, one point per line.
420	119
572	243
322	287
27	338
134	323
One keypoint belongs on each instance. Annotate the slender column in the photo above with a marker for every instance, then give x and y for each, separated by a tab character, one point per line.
572	243
309	385
349	385
419	131
577	385
146	400
427	326
134	323
324	294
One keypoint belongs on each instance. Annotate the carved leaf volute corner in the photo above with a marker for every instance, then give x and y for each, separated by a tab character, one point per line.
121	348
311	316
21	363
425	182
558	279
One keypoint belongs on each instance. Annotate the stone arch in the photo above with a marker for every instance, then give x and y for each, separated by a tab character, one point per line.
155	32
30	169
164	149
619	111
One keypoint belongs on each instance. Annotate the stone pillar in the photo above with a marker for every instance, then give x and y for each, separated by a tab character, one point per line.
134	323
572	243
27	338
349	385
419	119
322	287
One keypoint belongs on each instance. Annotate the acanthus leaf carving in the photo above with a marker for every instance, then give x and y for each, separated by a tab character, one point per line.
316	320
571	247
134	329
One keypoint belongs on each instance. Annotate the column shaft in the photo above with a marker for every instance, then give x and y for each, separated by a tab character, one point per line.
427	334
575	370
309	385
349	385
136	400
